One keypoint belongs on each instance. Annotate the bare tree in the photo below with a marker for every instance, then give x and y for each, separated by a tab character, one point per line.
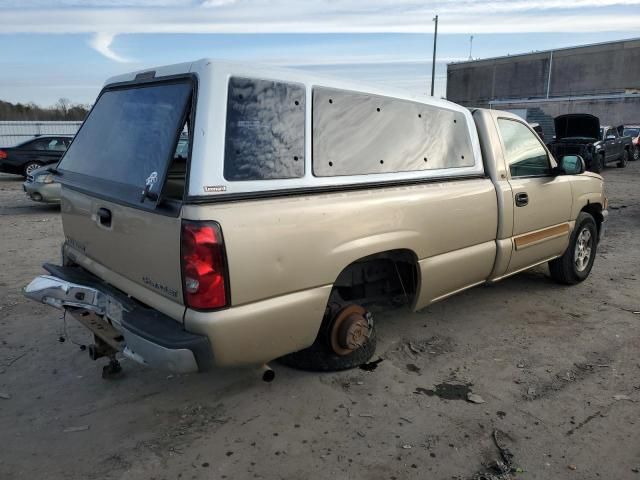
62	105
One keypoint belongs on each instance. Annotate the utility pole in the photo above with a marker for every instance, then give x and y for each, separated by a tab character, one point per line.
433	65
471	47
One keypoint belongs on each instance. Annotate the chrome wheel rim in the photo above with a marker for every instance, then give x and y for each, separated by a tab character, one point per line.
32	168
582	253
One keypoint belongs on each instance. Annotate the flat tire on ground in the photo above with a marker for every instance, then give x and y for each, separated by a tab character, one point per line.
321	357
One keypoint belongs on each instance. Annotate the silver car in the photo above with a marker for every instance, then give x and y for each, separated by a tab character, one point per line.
41	187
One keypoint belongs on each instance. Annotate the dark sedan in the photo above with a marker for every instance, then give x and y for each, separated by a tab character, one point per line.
26	157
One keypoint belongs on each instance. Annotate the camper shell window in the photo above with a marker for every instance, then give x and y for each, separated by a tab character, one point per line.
359	134
264	130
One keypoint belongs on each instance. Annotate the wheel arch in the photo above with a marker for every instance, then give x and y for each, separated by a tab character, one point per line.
398	266
595	210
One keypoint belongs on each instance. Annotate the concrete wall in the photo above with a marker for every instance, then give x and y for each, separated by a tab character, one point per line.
594	69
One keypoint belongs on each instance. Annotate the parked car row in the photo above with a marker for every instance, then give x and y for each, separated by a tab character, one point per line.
27	157
34	158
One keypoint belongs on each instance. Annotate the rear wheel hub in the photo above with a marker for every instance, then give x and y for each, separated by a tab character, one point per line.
350	329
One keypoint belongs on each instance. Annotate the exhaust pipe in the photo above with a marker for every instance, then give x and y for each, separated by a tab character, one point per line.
268	375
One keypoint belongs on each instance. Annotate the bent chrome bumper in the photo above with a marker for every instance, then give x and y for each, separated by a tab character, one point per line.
147	336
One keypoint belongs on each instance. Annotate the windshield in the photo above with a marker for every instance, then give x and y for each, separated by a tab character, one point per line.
632	132
130	137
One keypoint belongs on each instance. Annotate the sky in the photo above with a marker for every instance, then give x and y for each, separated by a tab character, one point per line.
67	48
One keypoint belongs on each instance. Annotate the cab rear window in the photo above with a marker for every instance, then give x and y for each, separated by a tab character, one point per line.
130	138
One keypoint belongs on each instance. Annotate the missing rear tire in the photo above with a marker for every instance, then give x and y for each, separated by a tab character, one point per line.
347	338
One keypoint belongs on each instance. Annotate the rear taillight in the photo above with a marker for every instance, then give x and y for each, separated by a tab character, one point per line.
3	154
204	267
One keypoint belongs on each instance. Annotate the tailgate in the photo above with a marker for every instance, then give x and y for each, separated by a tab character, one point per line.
120	219
140	246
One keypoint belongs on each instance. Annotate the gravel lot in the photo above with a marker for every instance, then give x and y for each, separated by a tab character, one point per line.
558	369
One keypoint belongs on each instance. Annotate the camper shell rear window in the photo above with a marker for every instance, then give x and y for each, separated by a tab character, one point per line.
128	141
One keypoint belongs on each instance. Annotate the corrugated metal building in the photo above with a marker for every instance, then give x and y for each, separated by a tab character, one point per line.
14	132
602	79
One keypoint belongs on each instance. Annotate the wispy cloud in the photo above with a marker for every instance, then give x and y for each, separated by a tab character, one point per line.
321	16
288	16
101	42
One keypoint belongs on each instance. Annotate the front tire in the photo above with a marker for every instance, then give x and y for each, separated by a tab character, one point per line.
577	261
624	159
636	154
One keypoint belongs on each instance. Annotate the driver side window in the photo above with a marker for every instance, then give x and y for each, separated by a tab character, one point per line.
525	154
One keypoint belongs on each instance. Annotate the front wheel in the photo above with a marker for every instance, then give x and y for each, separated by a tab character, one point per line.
577	261
636	154
623	159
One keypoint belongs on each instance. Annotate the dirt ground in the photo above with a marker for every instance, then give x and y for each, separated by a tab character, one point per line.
558	369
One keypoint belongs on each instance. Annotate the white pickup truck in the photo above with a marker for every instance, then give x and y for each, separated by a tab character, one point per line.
298	202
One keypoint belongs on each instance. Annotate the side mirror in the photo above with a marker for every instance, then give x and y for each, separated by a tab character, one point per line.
572	164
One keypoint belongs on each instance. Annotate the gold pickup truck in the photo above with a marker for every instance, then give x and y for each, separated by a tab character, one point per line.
297	202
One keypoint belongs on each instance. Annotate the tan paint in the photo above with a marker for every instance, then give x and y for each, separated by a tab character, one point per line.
587	188
504	248
258	332
138	245
303	242
550	248
550	201
454	271
145	295
534	238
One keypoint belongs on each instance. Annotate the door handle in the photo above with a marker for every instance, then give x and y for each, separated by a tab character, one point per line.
104	217
522	199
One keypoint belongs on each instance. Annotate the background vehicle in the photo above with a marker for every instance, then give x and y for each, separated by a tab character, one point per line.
33	154
302	201
581	134
633	131
538	129
40	186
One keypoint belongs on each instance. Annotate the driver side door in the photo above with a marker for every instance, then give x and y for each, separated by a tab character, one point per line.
542	200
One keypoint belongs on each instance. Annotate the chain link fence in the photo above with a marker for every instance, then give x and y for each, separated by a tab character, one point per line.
15	132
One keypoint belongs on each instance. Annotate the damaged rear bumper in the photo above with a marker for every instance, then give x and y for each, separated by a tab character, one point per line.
140	333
